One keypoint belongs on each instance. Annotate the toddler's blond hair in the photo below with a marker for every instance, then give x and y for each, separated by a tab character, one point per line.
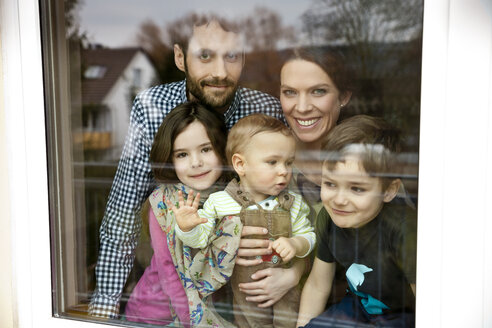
249	126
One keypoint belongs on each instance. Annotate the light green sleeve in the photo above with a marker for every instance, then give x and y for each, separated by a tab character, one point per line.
301	226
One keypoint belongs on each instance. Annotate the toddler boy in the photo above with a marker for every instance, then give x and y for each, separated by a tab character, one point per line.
261	149
364	228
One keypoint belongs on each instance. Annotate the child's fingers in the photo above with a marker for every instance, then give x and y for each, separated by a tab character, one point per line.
189	200
180	198
171	206
286	257
283	255
279	241
286	254
283	248
196	202
278	245
275	244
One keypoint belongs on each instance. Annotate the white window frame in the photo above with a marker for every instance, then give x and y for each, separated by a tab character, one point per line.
454	287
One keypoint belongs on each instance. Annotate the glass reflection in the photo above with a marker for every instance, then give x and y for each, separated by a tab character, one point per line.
110	59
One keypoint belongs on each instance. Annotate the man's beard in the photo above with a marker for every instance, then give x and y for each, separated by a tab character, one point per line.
216	100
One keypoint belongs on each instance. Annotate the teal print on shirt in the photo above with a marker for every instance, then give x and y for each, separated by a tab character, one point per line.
355	278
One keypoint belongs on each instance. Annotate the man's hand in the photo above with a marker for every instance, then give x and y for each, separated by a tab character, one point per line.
285	247
270	285
187	212
252	247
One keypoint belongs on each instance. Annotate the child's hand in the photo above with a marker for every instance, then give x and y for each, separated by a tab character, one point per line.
187	213
285	247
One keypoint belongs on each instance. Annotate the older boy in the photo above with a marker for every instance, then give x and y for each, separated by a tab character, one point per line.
261	150
364	228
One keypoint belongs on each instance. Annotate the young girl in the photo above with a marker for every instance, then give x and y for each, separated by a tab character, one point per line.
187	153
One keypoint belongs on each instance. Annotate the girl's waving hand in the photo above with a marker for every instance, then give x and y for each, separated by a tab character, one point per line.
186	212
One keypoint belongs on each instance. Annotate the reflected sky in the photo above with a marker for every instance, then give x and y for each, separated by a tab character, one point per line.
114	23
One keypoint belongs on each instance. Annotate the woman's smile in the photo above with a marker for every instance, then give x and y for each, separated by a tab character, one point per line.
307	122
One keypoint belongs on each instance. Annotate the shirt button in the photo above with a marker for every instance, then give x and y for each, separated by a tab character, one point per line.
239	192
286	197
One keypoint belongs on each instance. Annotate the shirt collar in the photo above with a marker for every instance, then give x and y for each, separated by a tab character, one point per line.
269	199
234	106
183	95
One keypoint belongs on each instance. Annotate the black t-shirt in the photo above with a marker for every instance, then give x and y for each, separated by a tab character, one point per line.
387	245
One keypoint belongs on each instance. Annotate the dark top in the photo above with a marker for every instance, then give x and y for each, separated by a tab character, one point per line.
387	245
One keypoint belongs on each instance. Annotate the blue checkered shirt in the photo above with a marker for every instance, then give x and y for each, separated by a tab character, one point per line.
121	224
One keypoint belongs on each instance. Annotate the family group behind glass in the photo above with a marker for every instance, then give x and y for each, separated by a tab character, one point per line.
273	165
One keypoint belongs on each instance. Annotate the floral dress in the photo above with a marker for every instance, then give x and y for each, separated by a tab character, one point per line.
210	268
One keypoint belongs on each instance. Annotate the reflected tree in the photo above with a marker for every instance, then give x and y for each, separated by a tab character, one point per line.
153	40
264	33
72	25
361	24
353	21
382	42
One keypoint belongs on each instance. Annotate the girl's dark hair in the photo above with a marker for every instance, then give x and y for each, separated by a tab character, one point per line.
331	61
161	154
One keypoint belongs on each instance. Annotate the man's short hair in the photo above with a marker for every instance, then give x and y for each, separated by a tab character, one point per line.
249	126
371	139
182	30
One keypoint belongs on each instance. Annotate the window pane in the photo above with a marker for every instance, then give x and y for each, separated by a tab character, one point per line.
325	60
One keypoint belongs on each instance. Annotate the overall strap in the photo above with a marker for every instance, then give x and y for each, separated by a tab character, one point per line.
285	200
241	197
245	200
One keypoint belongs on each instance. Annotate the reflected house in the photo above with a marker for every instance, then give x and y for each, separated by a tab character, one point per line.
111	79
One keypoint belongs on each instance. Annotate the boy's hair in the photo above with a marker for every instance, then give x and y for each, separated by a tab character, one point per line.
249	126
371	139
161	154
